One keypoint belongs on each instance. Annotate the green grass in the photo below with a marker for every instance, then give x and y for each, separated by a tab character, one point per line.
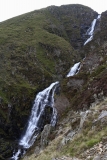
35	50
83	141
20	40
90	143
25	68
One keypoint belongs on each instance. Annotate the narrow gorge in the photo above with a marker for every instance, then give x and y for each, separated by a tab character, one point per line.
59	55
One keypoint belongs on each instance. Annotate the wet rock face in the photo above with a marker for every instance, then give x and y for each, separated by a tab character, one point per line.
45	117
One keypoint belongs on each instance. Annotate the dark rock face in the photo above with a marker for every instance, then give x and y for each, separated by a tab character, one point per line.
45	117
103	26
12	126
74	20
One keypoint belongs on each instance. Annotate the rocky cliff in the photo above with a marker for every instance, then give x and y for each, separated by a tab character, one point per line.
38	48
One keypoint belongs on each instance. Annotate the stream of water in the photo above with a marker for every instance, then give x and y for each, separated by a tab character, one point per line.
43	99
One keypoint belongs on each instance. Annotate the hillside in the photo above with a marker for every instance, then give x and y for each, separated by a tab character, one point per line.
81	131
79	136
39	48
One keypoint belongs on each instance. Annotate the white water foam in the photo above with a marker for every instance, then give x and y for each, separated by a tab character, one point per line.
43	99
90	31
74	70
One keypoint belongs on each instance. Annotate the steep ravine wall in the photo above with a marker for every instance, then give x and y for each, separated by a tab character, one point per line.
74	20
42	50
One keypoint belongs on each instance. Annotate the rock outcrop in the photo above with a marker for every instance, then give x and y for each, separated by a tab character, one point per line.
38	48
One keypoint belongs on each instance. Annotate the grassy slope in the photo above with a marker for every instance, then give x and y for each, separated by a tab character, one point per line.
88	137
29	62
85	139
20	43
28	53
35	50
31	54
94	74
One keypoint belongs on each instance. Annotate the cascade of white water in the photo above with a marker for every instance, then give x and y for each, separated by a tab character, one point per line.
74	70
90	31
16	155
42	100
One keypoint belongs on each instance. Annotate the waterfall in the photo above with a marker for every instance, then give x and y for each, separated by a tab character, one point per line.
90	31
74	70
43	100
